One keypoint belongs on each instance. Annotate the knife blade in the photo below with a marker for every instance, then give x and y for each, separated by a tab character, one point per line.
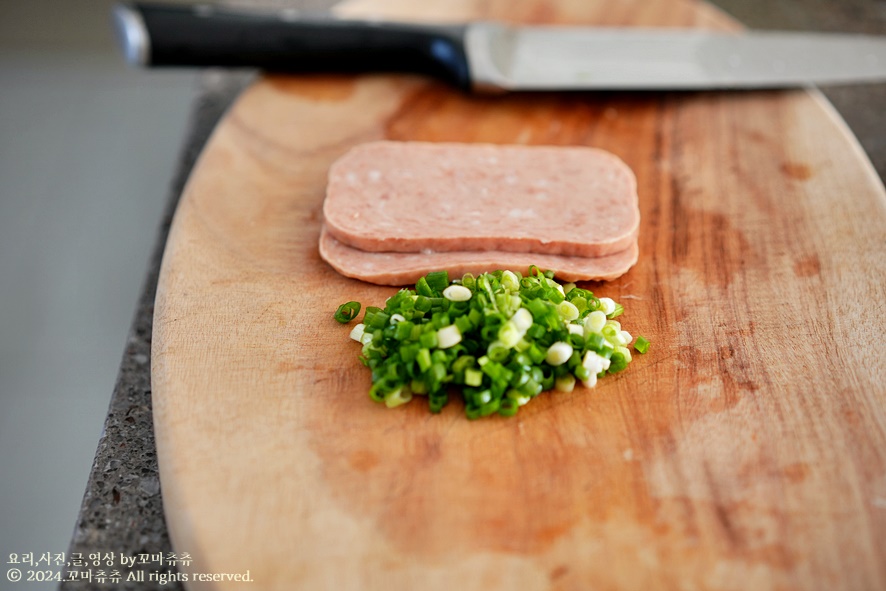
491	56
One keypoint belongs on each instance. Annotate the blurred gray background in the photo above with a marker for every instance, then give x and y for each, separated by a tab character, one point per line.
87	150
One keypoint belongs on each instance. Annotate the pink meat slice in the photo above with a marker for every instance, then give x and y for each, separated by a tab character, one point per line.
412	196
404	268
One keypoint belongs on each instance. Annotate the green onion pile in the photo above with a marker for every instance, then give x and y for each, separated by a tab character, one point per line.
500	338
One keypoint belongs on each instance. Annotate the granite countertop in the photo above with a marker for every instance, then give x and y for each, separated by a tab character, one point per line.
122	509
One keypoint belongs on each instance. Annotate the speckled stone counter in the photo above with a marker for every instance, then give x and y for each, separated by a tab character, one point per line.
122	510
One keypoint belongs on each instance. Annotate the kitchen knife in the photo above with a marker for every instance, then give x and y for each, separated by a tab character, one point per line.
488	56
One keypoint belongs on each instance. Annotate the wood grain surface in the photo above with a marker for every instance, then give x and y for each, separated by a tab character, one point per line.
746	450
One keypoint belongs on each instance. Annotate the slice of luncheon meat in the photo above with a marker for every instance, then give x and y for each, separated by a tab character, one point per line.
418	196
405	268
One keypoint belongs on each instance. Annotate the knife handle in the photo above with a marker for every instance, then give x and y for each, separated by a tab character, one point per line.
282	40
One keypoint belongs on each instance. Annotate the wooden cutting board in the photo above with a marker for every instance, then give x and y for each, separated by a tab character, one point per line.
746	450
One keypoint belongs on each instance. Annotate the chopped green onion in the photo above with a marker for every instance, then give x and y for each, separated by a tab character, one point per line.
508	407
565	383
558	353
358	331
424	359
375	318
448	336
457	293
608	306
347	312
510	281
625	352
437	402
624	337
501	338
473	377
618	362
397	397
428	340
568	311
438	280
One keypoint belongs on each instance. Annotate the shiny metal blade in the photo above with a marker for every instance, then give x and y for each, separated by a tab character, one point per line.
554	57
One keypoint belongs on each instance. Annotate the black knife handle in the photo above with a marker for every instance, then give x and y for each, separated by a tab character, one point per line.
208	35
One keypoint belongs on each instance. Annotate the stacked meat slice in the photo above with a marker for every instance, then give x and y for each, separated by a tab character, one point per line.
395	211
